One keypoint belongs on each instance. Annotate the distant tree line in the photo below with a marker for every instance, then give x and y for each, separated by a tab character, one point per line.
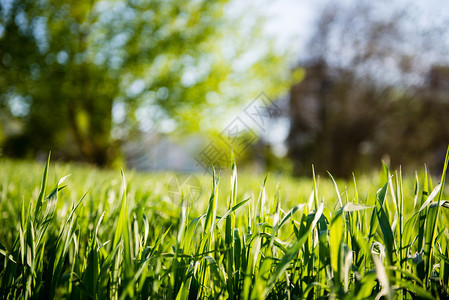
369	95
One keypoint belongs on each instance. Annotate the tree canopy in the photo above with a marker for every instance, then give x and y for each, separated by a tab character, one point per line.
80	77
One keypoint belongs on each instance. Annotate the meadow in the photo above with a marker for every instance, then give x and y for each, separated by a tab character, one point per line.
100	234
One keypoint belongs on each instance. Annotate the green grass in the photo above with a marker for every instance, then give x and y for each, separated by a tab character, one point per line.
98	234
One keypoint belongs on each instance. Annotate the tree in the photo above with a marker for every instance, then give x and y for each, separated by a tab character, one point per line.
366	94
67	66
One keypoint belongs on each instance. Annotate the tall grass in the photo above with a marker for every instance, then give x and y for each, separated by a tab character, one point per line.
330	240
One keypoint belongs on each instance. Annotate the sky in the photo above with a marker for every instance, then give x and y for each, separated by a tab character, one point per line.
290	22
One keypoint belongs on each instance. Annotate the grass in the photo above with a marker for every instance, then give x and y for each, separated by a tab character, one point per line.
108	236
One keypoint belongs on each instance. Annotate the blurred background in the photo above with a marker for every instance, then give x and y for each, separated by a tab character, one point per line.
175	85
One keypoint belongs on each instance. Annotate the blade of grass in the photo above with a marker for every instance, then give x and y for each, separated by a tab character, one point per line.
433	223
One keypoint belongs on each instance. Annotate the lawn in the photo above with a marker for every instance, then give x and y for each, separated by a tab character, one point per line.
103	234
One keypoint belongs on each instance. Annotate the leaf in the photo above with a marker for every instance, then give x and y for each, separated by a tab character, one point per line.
431	222
233	209
414	289
289	215
383	278
348	207
40	198
385	224
432	196
336	189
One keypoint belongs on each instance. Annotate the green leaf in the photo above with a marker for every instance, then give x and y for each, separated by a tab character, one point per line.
40	198
348	207
431	222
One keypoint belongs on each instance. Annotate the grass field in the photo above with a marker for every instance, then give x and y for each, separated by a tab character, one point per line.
98	235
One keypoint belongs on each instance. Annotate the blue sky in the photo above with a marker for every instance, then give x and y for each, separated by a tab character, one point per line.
290	22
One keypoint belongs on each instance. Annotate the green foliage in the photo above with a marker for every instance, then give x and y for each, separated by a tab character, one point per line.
293	239
72	63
